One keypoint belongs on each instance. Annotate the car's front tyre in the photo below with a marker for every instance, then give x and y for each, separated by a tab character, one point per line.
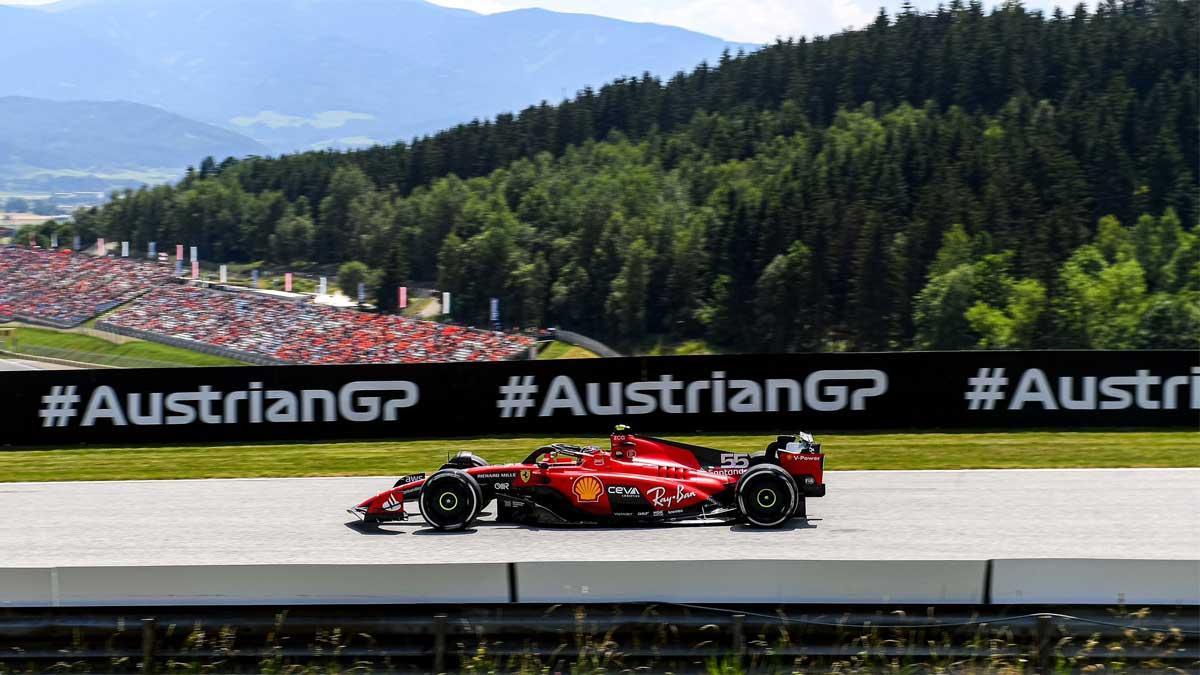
766	496
451	499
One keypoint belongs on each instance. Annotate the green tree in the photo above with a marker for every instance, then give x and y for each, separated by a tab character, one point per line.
1170	322
293	239
333	234
1155	241
350	275
626	304
957	249
940	311
1101	304
1015	325
391	278
784	304
531	287
568	295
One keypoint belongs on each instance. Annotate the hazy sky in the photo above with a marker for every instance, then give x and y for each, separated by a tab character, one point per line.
738	20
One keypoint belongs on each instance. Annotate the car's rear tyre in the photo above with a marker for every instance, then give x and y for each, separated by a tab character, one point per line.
766	496
451	499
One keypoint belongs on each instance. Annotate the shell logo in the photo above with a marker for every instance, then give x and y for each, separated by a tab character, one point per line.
587	489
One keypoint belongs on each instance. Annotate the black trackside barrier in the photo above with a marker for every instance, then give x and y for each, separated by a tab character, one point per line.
753	393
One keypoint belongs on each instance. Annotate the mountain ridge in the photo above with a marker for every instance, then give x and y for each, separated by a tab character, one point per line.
404	68
39	136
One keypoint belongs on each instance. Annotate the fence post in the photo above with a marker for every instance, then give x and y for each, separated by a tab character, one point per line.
739	636
149	632
439	643
1044	645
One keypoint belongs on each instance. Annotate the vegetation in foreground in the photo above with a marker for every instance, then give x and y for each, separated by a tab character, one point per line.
85	348
908	451
631	638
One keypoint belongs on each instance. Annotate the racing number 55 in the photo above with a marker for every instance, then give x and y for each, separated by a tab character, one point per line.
730	460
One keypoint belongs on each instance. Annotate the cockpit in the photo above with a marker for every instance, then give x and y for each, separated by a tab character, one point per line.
559	454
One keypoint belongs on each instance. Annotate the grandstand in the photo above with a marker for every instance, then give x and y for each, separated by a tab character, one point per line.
253	328
64	289
257	328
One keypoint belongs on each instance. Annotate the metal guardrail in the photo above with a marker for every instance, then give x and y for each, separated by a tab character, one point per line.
586	342
212	350
682	638
44	322
69	363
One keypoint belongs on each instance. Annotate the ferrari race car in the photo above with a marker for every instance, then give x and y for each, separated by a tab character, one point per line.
639	479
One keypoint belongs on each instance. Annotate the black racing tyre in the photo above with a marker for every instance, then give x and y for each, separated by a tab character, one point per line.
451	499
766	496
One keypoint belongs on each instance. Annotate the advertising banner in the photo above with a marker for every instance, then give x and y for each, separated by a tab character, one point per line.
749	393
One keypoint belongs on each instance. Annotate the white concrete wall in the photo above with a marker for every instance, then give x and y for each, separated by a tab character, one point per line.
1096	582
754	581
1033	581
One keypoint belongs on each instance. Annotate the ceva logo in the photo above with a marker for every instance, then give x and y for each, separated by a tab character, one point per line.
587	489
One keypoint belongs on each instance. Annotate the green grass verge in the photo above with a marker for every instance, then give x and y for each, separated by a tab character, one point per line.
1026	450
416	305
562	350
79	347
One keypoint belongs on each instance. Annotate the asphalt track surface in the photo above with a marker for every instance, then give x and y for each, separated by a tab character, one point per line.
868	515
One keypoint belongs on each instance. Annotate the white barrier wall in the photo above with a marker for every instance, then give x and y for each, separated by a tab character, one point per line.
754	581
271	584
1012	582
1096	582
21	587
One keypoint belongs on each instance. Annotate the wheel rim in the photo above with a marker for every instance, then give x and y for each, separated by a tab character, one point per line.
766	498
448	501
764	501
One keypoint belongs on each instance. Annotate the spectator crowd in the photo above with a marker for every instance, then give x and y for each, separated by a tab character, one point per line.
306	333
65	289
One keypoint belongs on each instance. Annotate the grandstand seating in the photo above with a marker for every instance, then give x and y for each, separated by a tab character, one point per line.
306	333
64	289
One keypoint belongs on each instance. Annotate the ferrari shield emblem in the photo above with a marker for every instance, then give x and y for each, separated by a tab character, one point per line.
525	475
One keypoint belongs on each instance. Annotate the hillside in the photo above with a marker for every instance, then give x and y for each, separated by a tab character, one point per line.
299	74
103	137
944	180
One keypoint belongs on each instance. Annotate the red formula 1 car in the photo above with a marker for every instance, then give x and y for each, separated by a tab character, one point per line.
639	479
